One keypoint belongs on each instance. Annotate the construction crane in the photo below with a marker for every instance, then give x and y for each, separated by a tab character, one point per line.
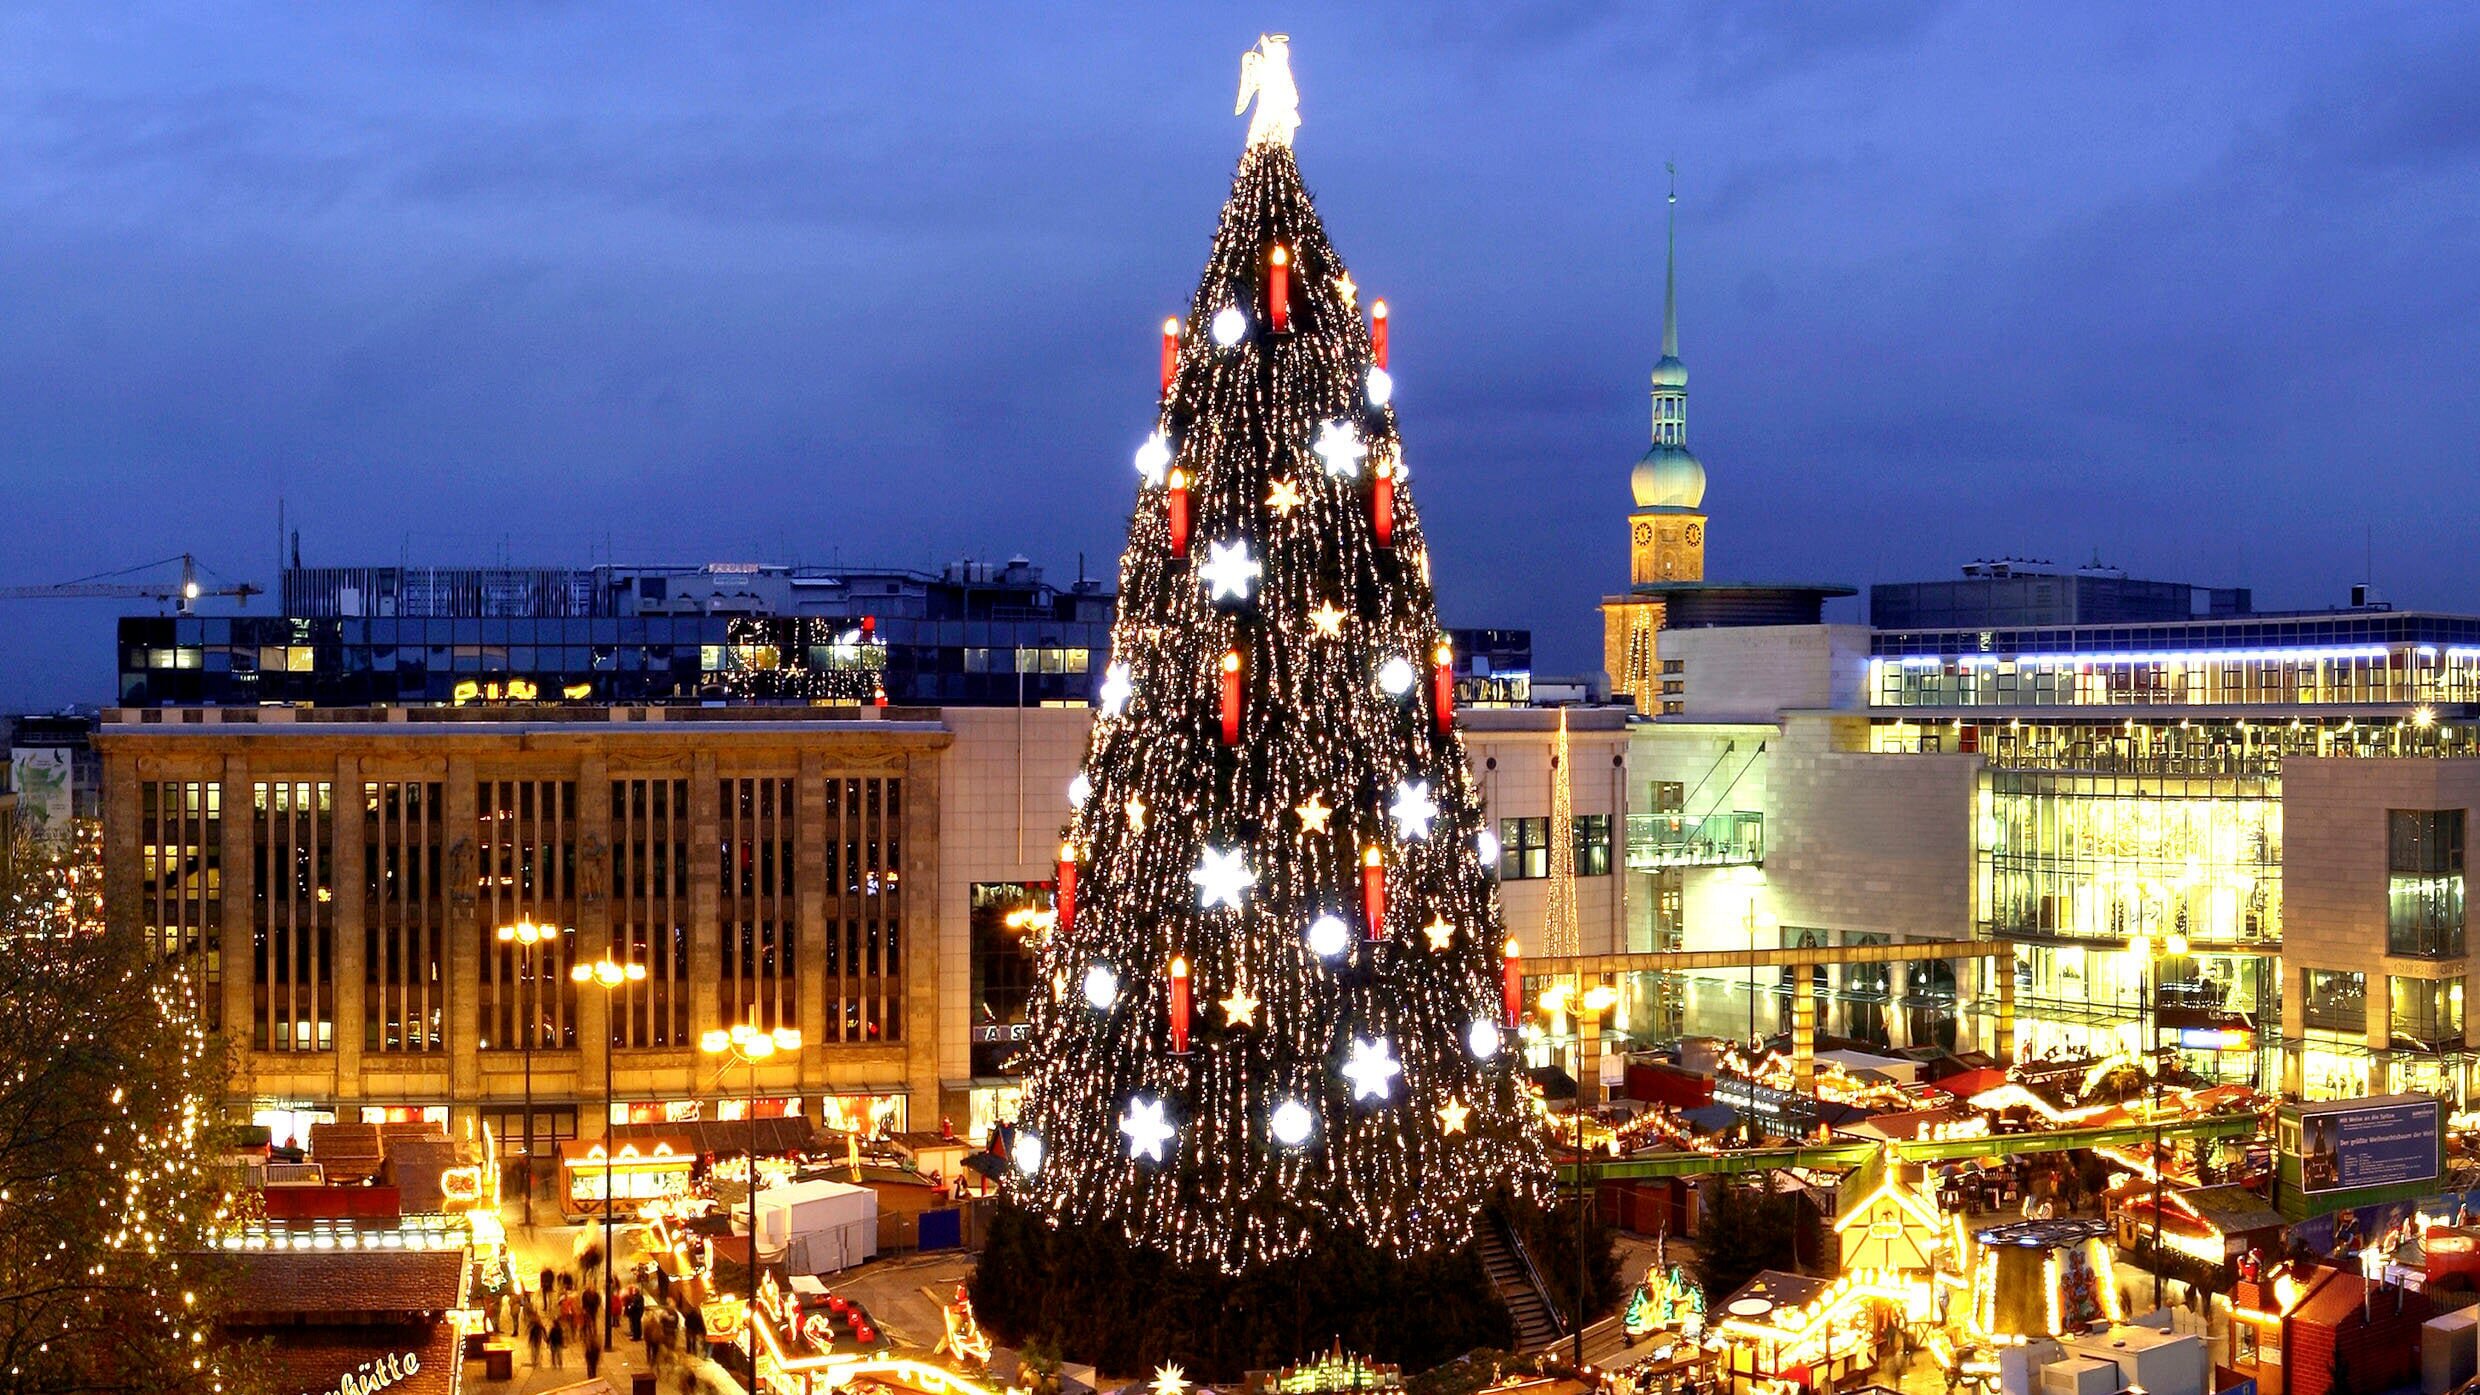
184	592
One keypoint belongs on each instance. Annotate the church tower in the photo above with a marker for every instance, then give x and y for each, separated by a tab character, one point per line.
1666	530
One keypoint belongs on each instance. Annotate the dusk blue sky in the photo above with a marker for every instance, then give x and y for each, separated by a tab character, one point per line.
2194	286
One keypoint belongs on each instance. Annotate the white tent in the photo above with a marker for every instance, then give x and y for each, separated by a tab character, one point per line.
817	1227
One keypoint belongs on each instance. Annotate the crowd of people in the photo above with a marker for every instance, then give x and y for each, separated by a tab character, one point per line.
562	1315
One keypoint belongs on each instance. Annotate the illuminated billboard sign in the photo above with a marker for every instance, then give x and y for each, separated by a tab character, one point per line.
2374	1143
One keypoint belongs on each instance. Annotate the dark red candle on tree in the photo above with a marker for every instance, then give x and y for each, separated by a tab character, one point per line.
1170	353
1067	887
1179	1005
1373	892
1279	289
1231	697
1442	685
1177	505
1377	332
1382	502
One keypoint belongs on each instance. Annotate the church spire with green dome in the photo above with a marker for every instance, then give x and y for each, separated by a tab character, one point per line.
1669	475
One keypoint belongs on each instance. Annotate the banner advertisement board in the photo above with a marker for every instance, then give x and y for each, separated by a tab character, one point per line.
2377	1145
41	776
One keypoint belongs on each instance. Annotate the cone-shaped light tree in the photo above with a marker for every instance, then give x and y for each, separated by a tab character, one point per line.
1274	1012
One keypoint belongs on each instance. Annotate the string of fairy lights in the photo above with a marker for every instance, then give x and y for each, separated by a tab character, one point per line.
130	1194
1275	1002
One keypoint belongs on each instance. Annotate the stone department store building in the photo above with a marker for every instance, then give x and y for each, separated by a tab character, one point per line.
866	875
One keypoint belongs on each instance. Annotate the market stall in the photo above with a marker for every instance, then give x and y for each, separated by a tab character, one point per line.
2042	1279
1795	1330
640	1171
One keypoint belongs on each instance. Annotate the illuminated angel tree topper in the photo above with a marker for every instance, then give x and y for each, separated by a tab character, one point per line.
1271	1009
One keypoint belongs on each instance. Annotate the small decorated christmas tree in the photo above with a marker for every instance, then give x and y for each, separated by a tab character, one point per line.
1275	1032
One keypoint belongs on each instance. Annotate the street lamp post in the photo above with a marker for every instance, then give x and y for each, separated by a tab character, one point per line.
1598	999
2148	1026
526	936
746	1044
607	975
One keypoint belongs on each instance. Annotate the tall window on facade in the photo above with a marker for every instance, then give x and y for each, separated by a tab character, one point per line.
650	910
526	841
2427	1013
1008	920
293	923
755	823
1523	849
863	977
1592	835
2424	887
2337	1001
181	891
404	917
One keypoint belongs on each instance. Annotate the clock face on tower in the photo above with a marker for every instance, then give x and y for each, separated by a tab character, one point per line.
1696	534
1644	533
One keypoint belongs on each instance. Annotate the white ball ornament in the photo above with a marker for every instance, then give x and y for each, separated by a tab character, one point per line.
1101	987
1486	843
1292	1123
1079	790
1154	457
1329	936
1230	326
1482	1038
1027	1153
1381	387
1395	677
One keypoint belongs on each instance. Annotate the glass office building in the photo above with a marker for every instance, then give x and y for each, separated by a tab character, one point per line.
2131	795
972	635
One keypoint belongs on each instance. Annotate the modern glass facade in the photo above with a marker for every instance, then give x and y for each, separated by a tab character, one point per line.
2359	658
2111	855
592	637
2159	817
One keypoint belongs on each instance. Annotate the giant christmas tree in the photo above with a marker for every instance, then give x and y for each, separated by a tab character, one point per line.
1274	1026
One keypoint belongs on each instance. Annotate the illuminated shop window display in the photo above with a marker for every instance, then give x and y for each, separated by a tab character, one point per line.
2334	1067
640	1171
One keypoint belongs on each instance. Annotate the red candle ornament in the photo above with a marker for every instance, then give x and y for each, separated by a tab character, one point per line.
1377	331
1179	1005
1511	980
1171	353
1373	892
1231	697
1066	901
1382	502
1177	481
1442	685
1279	289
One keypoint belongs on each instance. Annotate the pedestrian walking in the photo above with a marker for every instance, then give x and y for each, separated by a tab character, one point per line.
651	1330
635	1309
559	1340
546	1283
592	1303
534	1339
693	1325
592	1349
